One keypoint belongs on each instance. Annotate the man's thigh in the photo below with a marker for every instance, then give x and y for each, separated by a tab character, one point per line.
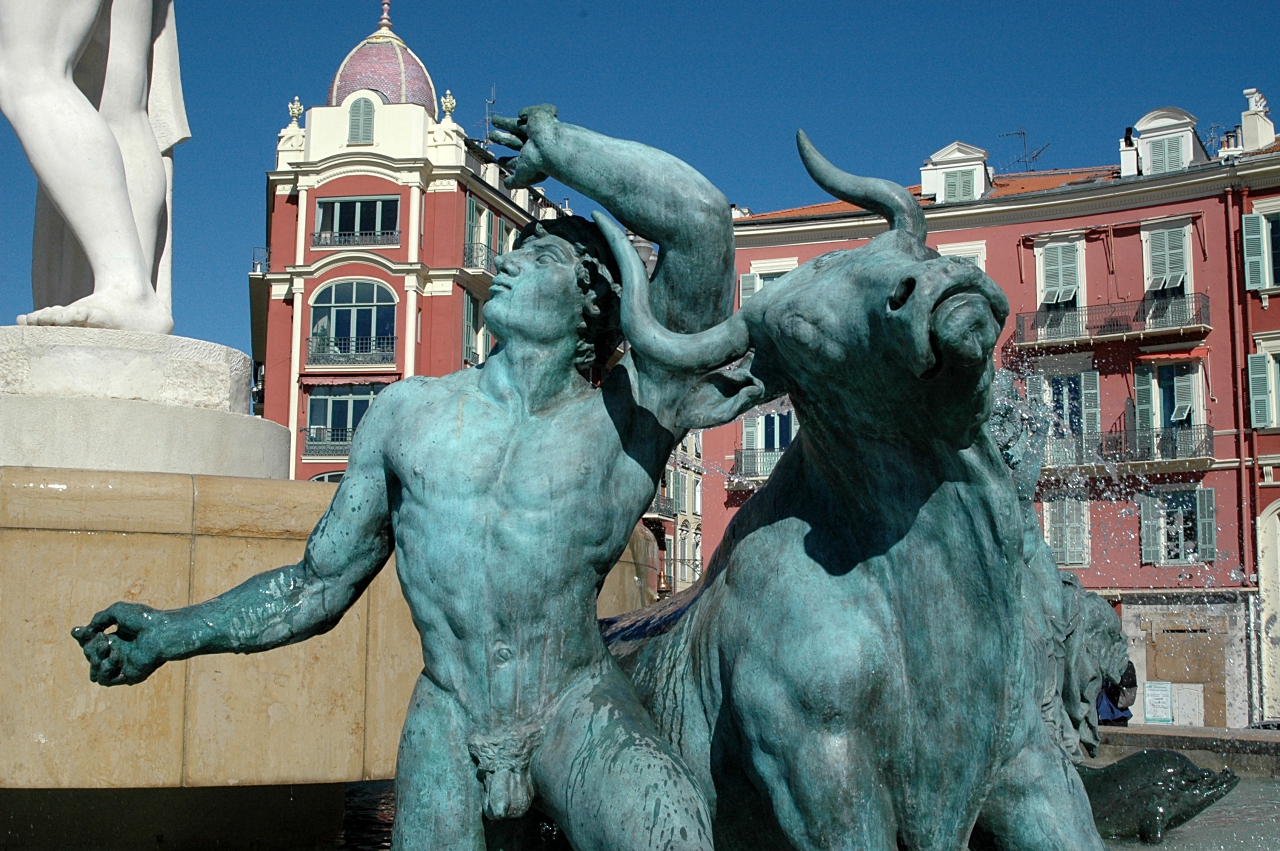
438	798
609	780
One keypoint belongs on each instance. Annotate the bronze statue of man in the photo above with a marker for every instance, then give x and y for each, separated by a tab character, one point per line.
507	492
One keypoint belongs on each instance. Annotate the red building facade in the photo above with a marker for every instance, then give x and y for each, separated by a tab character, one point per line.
383	222
1139	312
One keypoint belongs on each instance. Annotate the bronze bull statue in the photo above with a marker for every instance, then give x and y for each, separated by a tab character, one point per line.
852	671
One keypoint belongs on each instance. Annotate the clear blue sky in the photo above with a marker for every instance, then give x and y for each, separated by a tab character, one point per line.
878	86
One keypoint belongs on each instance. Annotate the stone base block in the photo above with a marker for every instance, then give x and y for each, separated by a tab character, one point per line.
280	818
130	435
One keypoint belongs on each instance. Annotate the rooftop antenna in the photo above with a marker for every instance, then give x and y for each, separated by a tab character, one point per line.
1028	156
488	115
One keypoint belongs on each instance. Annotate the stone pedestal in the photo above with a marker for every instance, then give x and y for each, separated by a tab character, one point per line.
119	400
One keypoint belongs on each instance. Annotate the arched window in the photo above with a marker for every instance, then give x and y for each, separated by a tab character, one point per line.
353	322
360	128
332	478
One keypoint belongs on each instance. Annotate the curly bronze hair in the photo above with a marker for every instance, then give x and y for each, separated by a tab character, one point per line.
600	330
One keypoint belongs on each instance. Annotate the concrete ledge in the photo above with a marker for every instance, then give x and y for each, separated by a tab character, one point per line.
1249	753
131	435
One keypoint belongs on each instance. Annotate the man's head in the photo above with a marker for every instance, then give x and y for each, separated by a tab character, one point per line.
560	278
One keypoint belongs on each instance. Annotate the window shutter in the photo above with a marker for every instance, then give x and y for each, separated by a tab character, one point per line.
1143	399
966	185
1176	257
1077	531
353	123
751	433
1158	249
951	186
1206	525
1181	397
1159	161
1069	271
1090	402
1257	253
1056	519
360	122
1173	154
1149	508
1036	388
748	285
1260	390
366	123
1051	258
472	214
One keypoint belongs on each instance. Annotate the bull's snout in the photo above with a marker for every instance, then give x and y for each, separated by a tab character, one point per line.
956	312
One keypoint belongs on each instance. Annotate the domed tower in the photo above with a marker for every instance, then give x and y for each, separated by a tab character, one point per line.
383	63
383	222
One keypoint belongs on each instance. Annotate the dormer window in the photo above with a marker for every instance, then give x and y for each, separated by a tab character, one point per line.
958	185
1166	155
1168	143
360	123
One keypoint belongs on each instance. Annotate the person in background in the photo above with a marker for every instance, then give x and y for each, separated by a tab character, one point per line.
1115	699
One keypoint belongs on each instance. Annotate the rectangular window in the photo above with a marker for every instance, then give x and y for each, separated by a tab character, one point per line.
697	495
1261	243
472	329
958	185
748	285
1261	380
1066	529
357	221
1179	526
1165	155
334	412
1061	275
1167	261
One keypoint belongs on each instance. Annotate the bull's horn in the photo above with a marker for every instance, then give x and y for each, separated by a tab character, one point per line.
883	197
699	352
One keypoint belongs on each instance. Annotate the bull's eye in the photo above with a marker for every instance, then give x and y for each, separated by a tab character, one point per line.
902	293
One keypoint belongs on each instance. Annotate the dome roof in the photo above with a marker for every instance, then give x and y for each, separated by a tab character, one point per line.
384	64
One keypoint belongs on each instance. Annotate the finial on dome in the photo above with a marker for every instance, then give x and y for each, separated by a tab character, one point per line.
385	23
295	110
447	103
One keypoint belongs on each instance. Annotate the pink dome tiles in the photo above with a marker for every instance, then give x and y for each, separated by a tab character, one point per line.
384	64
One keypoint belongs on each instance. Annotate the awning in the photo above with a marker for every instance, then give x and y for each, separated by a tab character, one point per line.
313	380
1198	353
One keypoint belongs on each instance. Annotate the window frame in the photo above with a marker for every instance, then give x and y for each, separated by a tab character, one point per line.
1054	505
1082	284
975	251
367	134
1187	228
358	199
1156	494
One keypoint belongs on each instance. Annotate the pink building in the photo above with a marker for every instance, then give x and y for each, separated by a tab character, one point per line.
383	221
1139	312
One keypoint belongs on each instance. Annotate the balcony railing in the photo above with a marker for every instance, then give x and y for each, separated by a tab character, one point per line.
755	463
477	255
692	569
1120	320
328	442
261	262
1188	443
326	238
340	351
663	506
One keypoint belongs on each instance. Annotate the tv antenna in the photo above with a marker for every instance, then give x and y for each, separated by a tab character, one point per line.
488	115
1028	156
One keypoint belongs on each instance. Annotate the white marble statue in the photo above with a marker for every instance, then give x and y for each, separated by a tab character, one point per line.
93	92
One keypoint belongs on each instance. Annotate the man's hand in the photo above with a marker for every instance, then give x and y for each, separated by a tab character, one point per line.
131	653
523	134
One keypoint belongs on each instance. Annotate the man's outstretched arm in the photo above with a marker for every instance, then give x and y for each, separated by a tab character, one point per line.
283	606
651	193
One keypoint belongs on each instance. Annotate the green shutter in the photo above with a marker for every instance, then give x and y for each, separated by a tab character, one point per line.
1090	402
1077	531
1051	259
1260	390
1176	258
1182	395
966	185
366	123
1173	154
748	285
1069	271
1149	509
1036	389
360	122
1257	254
1206	525
473	213
1055	518
1143	399
1159	160
951	186
1158	248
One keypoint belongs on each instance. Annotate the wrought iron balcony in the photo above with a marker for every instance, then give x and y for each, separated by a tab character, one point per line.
331	238
346	351
755	463
692	569
478	255
328	442
1134	320
1187	447
663	506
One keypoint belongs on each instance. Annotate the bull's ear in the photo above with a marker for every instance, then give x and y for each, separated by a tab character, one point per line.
719	397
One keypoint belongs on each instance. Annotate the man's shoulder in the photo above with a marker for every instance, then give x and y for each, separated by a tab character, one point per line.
421	390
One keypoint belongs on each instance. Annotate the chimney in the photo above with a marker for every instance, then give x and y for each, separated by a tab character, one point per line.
1128	155
1256	130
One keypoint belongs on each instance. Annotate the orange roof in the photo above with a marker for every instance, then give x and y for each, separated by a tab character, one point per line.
1273	148
1004	186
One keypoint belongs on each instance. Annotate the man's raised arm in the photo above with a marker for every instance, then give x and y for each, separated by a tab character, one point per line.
346	550
652	193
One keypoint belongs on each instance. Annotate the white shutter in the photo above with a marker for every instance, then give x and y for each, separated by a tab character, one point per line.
1173	154
1150	510
1157	155
1069	271
1158	251
1260	406
1055	518
1090	402
748	285
1036	387
1077	531
1176	257
751	433
1051	260
1258	271
1181	397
